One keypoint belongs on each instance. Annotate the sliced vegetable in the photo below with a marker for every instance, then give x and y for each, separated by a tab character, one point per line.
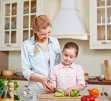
74	93
60	93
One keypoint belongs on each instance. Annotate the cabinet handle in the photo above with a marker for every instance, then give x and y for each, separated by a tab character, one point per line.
8	45
106	42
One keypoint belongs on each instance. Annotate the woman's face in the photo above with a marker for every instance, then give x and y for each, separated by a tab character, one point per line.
43	34
68	56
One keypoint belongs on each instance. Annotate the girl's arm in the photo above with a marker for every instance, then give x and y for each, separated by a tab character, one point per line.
78	88
80	81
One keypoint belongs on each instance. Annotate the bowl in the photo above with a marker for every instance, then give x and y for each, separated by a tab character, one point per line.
19	73
27	95
7	72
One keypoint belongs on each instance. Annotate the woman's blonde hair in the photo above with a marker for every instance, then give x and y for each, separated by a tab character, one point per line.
40	22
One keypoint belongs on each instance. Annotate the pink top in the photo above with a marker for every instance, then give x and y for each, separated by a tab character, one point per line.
64	78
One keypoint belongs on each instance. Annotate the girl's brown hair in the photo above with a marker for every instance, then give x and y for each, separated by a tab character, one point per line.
70	45
40	22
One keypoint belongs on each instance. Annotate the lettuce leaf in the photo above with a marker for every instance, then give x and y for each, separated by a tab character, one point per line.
60	93
74	93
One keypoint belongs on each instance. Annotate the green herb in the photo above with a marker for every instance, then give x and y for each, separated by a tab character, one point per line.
15	85
16	97
9	80
2	83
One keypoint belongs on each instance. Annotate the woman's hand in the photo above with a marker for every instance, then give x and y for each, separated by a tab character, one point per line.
51	86
45	82
68	91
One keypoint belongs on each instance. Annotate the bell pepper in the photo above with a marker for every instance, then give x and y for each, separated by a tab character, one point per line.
87	98
94	92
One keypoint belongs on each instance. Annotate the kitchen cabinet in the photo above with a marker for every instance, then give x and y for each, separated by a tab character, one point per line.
9	23
16	22
17	17
100	24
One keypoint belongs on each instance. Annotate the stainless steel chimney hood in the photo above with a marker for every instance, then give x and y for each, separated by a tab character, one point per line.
68	23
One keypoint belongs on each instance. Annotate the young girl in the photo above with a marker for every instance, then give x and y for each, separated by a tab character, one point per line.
68	75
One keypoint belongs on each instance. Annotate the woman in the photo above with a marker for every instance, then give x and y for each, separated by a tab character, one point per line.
39	54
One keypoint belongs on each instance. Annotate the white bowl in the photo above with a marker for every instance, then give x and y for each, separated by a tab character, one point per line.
19	73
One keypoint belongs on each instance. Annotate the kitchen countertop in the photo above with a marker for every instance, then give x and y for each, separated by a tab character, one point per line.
97	82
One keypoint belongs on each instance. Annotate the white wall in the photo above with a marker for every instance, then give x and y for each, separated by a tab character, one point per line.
91	60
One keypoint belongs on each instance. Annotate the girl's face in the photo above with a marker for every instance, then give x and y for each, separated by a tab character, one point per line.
68	56
43	34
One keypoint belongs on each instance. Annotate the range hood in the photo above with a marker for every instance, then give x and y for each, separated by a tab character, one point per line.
68	23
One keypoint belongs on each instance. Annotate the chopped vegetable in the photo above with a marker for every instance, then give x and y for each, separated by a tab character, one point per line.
60	93
74	93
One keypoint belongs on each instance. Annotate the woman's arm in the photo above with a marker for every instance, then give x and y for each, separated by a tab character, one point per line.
25	62
45	81
28	74
53	77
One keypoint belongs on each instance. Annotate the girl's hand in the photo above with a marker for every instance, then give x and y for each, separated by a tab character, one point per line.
86	84
45	84
68	91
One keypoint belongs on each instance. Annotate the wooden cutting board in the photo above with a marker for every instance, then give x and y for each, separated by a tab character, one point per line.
51	96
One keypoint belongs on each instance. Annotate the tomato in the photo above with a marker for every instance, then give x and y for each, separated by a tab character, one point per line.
87	98
94	92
